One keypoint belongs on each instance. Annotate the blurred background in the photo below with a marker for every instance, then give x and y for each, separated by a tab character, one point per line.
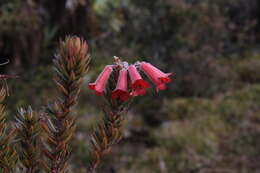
207	121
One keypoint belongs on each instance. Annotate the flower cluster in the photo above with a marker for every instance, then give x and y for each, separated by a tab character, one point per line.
138	84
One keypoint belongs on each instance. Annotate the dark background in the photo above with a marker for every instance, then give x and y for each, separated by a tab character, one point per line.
207	121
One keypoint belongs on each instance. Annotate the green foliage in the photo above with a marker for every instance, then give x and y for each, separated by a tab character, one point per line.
188	108
249	69
14	18
241	105
194	135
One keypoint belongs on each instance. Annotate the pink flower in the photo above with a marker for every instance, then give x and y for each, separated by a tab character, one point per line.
100	84
158	77
138	84
121	92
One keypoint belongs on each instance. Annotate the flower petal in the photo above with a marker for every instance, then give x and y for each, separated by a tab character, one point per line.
158	77
138	84
121	91
100	84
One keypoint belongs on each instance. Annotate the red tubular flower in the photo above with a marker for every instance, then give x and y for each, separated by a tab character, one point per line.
100	84
138	84
121	92
158	77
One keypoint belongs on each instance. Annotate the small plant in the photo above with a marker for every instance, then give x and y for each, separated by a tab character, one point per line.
113	84
8	155
43	138
28	134
71	64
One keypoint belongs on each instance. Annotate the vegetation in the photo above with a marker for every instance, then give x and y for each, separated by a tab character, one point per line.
206	121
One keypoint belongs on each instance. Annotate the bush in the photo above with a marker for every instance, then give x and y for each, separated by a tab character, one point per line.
249	69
